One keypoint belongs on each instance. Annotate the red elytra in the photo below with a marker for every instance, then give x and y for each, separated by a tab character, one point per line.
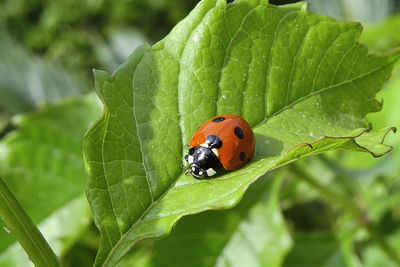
236	136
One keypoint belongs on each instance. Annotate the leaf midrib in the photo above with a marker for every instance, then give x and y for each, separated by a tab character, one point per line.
154	202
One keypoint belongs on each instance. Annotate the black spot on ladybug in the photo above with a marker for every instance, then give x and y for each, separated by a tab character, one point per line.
242	156
219	119
213	141
239	132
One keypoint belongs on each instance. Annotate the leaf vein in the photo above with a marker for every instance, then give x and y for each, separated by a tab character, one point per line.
268	76
105	174
227	51
340	62
323	90
292	69
322	59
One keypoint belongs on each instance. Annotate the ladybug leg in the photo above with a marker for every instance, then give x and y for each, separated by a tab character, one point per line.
187	170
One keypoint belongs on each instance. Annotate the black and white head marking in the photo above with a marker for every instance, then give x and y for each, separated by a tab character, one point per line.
203	162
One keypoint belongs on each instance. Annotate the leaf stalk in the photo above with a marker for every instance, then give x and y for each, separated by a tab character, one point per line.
24	230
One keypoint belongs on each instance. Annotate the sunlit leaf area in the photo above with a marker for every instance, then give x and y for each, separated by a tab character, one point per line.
99	101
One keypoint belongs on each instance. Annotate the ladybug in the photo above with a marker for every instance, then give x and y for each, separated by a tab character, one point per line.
224	142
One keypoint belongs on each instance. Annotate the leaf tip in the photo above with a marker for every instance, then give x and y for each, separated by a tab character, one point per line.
374	142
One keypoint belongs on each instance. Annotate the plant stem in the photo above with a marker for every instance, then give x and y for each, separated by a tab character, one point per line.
24	230
351	206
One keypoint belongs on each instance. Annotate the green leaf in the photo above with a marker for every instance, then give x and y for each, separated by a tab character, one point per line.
301	80
380	38
42	164
251	234
26	80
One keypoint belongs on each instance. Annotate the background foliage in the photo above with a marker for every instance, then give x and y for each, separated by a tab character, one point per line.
45	67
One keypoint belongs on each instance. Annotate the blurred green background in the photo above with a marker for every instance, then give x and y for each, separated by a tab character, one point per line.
49	48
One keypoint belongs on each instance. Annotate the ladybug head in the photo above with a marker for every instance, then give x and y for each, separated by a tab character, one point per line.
203	162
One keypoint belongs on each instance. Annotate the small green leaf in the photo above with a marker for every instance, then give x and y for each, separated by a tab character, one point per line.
251	234
42	163
301	80
373	142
